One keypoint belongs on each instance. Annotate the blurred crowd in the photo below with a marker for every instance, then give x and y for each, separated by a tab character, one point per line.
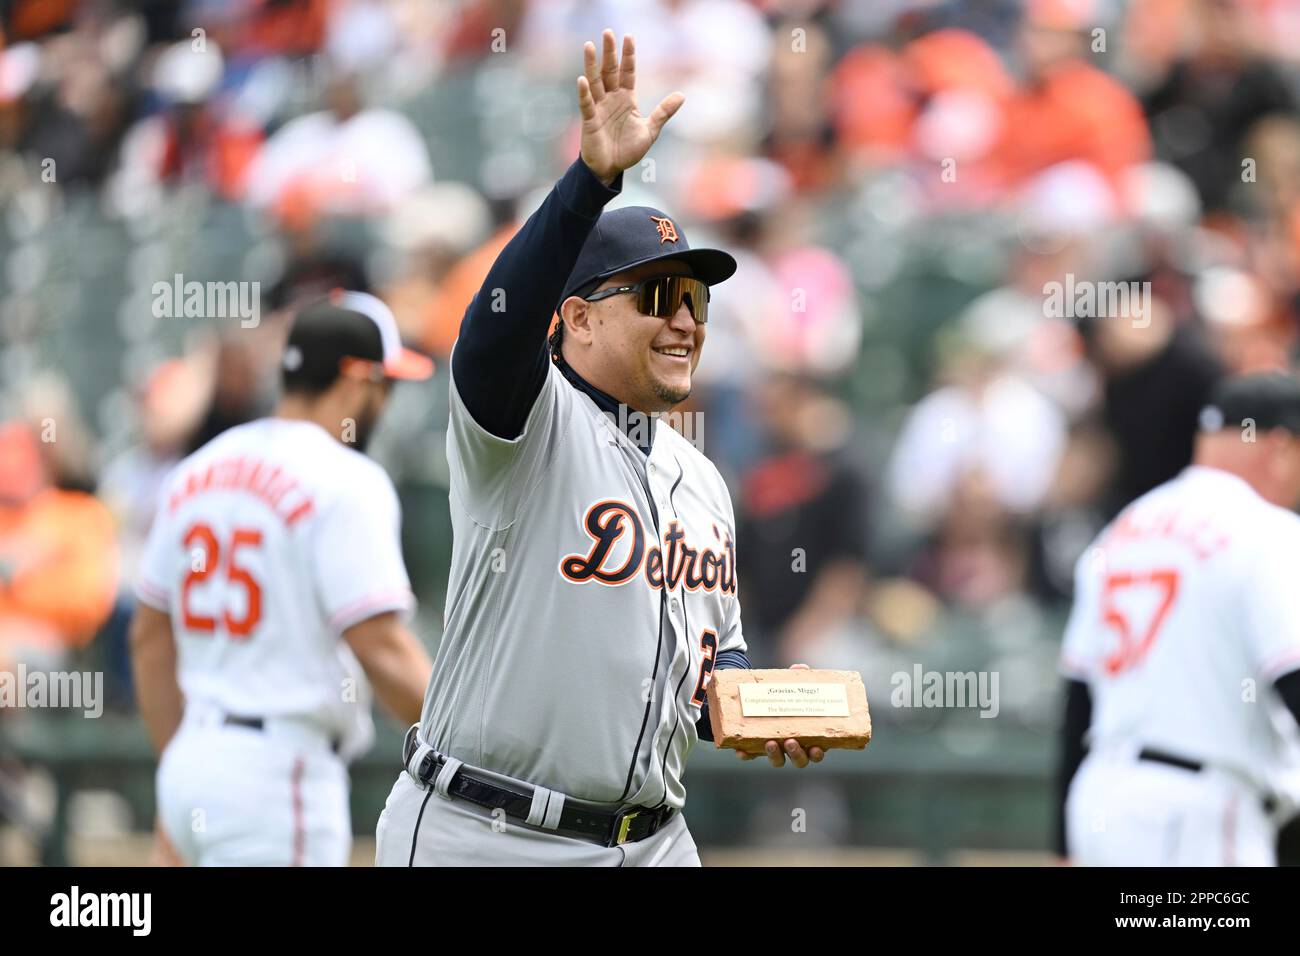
915	427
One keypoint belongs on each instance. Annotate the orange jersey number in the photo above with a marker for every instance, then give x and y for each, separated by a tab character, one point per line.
1133	647
204	565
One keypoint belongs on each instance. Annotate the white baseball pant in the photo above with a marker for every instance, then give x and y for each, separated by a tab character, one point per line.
1121	811
236	796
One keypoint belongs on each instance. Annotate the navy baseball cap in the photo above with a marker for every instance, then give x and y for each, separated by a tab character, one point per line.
1269	399
348	325
631	236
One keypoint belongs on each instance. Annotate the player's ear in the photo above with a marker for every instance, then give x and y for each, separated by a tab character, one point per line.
352	387
575	313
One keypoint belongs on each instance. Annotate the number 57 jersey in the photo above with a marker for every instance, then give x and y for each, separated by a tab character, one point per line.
1187	609
268	543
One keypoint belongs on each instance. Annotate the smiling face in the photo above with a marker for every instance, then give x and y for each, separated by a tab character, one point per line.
643	361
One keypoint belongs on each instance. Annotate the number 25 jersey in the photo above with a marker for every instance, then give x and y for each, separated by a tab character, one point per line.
268	543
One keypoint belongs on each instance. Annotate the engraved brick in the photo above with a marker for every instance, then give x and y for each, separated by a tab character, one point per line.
749	734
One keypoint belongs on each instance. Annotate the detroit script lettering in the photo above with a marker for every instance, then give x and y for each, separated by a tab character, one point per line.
674	563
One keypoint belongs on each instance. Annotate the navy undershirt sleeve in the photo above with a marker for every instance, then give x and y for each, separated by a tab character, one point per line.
1288	687
1074	729
499	361
703	726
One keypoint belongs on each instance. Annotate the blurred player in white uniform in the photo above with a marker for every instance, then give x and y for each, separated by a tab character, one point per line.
1182	652
272	598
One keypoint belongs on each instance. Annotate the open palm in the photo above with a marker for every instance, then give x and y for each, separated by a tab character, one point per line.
614	133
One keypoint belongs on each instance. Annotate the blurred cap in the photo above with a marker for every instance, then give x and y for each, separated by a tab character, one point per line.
349	325
20	64
999	322
452	214
1161	195
634	235
1230	297
1268	399
185	75
1069	199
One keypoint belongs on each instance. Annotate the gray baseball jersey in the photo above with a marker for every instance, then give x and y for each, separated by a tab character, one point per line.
591	589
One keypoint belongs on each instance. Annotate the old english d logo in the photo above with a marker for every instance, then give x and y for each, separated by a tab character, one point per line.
667	231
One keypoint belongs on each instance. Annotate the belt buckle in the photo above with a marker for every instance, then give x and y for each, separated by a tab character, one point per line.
622	823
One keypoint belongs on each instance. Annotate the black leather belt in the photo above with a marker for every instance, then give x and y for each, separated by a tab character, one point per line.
1154	755
252	723
1161	756
258	723
609	828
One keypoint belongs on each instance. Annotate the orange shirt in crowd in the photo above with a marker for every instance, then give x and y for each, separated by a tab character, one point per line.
1076	113
447	307
285	26
59	560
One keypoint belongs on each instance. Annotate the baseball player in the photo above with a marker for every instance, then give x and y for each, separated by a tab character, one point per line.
593	583
272	594
1182	652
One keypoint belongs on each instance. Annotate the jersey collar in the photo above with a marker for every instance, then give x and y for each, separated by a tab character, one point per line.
1204	473
620	414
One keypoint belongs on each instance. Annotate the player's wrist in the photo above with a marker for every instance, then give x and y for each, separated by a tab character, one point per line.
605	175
584	192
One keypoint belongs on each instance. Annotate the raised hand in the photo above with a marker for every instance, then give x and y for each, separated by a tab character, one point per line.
614	133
